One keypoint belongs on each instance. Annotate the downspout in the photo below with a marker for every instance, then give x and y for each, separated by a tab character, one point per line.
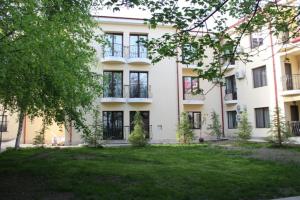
222	110
275	84
25	129
177	75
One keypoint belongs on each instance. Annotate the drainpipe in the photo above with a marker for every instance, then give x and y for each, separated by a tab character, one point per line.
222	109
178	96
275	83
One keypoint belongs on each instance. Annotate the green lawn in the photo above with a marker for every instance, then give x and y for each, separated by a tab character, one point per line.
156	172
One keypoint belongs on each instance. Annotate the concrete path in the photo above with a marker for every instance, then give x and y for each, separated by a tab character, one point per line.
289	198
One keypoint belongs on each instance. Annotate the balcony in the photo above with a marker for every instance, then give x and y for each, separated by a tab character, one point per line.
113	54
138	93
113	95
138	55
193	99
291	84
230	97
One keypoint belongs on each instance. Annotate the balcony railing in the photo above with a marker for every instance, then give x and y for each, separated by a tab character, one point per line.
230	95
116	91
291	82
115	50
136	51
294	128
138	91
193	96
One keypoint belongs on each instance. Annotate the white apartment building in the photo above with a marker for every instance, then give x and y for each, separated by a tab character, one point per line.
163	90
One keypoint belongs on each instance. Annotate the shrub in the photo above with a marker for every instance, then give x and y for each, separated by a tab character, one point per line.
184	132
244	127
215	125
279	131
137	137
94	138
39	139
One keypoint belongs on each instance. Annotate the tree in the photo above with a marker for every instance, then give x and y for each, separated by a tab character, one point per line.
184	132
94	138
279	131
215	125
39	139
137	137
46	60
244	127
208	19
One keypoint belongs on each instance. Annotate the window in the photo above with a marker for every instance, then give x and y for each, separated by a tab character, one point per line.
262	117
112	125
115	46
113	84
256	40
195	119
146	121
231	117
231	87
139	85
259	77
3	123
190	86
137	48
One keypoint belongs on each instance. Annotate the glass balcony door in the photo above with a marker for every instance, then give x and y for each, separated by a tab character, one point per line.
138	84
113	125
137	48
115	46
113	84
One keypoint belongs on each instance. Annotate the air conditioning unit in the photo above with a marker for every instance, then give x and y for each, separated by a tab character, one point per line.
240	74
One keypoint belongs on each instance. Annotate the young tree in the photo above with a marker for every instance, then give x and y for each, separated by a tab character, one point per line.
244	127
215	125
94	138
184	132
39	139
279	131
137	137
46	60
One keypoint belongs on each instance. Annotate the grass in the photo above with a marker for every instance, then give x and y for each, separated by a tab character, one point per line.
155	172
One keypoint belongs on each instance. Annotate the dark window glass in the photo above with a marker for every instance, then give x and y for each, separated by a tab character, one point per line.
137	48
195	119
115	46
259	77
3	123
113	125
146	121
262	117
256	40
113	84
231	87
139	85
231	116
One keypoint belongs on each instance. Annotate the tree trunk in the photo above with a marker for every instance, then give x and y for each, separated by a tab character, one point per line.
20	128
1	123
279	127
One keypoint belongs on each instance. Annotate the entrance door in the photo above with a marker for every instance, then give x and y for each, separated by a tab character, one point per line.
294	113
289	77
146	121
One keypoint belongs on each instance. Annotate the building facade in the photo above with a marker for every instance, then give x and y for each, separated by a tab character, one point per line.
161	91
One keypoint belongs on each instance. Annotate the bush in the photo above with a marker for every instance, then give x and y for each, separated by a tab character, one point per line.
94	138
137	137
244	127
184	132
279	131
215	125
39	139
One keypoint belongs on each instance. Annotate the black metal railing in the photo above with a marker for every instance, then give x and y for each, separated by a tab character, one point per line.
138	91
114	50
294	128
291	82
113	133
230	95
137	51
115	91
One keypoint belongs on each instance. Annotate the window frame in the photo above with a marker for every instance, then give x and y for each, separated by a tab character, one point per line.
113	72
260	41
138	44
235	124
192	119
266	120
112	45
4	126
261	83
192	90
122	126
139	83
